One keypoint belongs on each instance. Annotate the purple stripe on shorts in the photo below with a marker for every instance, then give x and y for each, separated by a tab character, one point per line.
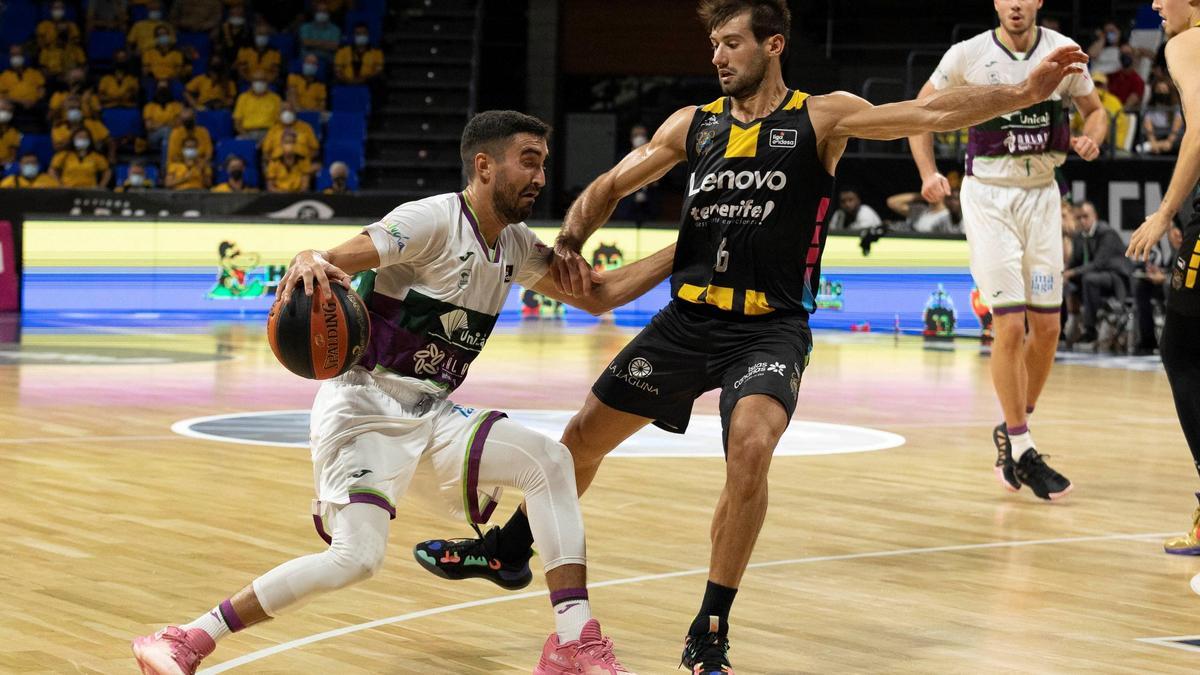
317	523
368	498
474	457
1013	309
1045	310
566	594
231	618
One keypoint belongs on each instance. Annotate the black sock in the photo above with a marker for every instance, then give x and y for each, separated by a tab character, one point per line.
515	538
717	601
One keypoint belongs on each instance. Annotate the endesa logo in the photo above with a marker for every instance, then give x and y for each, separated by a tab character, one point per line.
740	180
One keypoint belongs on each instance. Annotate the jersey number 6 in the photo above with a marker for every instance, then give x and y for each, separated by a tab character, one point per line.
722	257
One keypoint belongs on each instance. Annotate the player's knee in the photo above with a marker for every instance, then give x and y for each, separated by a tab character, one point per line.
557	466
580	448
748	464
357	564
1009	328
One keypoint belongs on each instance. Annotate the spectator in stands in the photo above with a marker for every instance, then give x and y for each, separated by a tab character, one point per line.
852	213
289	172
339	177
80	166
233	35
190	172
29	175
235	176
50	30
1105	50
120	88
943	217
107	15
1097	270
1119	123
24	87
1127	85
10	138
1150	285
164	62
75	85
1162	120
60	56
161	114
141	37
197	16
136	180
260	57
187	128
257	109
304	90
73	121
302	133
320	36
360	63
214	90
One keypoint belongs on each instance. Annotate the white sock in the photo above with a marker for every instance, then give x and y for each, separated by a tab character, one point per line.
1020	443
569	617
210	623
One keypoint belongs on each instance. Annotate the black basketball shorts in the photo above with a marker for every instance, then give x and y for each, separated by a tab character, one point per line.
1183	279
683	353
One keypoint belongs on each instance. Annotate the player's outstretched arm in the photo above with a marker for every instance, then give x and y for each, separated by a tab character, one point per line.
338	264
642	166
954	108
1183	52
614	288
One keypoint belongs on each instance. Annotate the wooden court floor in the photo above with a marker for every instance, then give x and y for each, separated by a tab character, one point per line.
909	559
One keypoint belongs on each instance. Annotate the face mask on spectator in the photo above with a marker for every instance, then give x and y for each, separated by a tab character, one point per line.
30	170
56	14
287	117
82	143
190	153
362	40
17	61
74	115
236	173
136	179
262	40
1113	37
124	67
163	40
154	15
237	21
321	17
189	123
5	116
309	69
339	180
259	87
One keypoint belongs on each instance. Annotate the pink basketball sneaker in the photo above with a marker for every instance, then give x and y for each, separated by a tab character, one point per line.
172	651
591	654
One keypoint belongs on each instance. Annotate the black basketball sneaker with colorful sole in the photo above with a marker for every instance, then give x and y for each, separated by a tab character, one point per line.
707	654
456	559
1032	470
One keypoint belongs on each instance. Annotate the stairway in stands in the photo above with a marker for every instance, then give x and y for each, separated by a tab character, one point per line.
412	142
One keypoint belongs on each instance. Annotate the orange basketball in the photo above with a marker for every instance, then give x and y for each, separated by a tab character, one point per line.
319	337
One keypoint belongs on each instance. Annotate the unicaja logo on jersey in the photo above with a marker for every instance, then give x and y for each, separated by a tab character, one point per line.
739	180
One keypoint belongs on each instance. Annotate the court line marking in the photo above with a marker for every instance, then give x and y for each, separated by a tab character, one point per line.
400	618
1171	642
84	439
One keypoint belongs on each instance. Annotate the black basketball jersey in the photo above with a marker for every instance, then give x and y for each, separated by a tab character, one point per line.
753	225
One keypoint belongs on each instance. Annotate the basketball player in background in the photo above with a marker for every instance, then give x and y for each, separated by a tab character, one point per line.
761	162
1180	343
1012	214
444	266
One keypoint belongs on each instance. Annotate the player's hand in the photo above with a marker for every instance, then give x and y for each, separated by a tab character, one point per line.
1057	66
310	268
935	188
1085	147
1148	235
1155	274
570	270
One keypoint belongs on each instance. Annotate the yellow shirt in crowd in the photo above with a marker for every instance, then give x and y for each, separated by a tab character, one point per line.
61	134
370	66
89	103
24	87
194	177
306	140
141	36
288	179
163	65
309	95
47	33
155	115
119	90
79	172
249	60
204	144
206	90
57	60
257	112
10	140
43	180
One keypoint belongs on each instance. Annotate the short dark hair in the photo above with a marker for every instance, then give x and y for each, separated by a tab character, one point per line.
489	131
767	17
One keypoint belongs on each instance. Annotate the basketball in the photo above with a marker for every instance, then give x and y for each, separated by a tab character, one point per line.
319	337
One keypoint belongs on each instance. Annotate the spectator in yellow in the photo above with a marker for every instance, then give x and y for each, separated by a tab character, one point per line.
1118	122
119	89
80	166
304	90
163	62
49	30
214	90
190	172
75	80
136	180
73	122
107	15
260	57
141	36
235	176
61	56
10	138
257	109
160	114
197	16
23	86
29	175
360	63
186	129
290	172
339	176
302	133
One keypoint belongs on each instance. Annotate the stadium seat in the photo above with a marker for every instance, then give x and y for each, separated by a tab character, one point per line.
350	152
149	85
137	13
347	126
122	172
101	44
244	148
122	121
286	44
40	145
372	8
218	122
201	42
324	181
351	98
18	19
314	120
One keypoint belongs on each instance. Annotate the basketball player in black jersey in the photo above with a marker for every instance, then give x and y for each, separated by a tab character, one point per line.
761	162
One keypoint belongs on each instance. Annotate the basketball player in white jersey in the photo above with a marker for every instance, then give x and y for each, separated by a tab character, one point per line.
443	268
1012	217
